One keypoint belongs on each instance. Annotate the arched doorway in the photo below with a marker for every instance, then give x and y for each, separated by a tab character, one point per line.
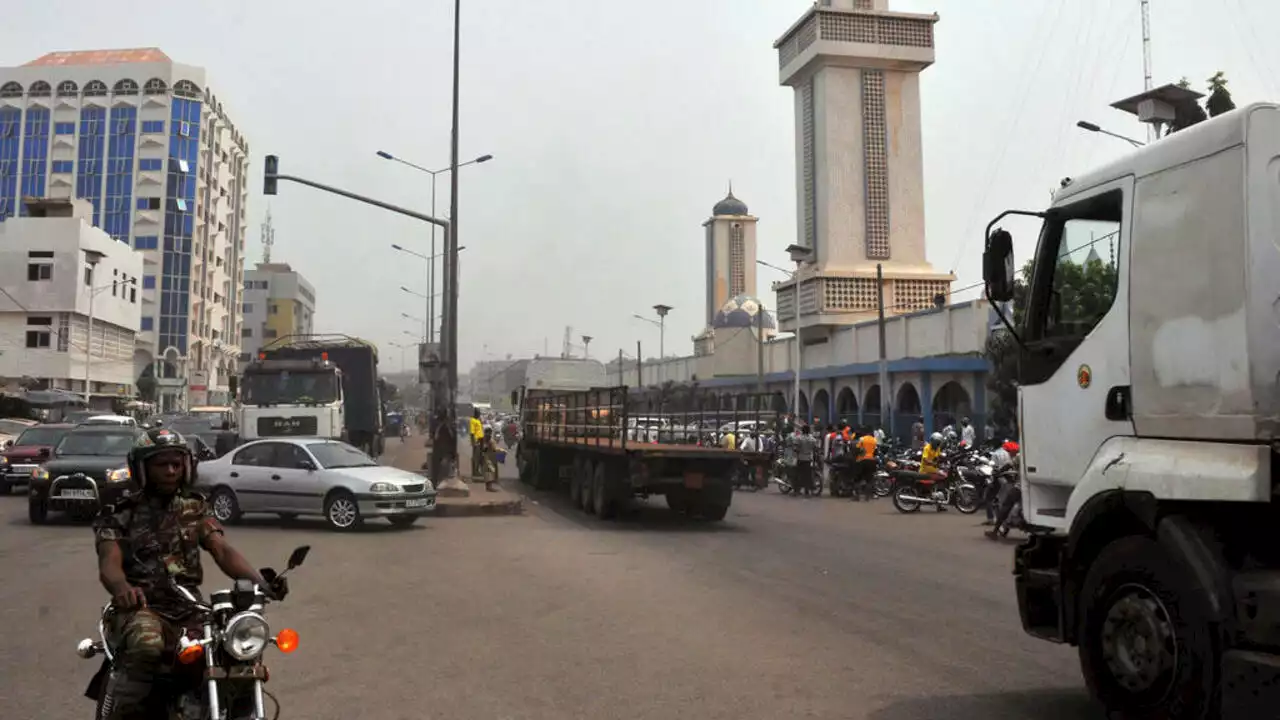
847	406
907	411
822	407
951	403
871	407
803	414
779	403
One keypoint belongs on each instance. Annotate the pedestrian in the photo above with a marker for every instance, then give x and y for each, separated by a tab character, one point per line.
967	432
806	447
867	464
917	435
476	430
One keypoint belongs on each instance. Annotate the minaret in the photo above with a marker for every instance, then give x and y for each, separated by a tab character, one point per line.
855	67
731	253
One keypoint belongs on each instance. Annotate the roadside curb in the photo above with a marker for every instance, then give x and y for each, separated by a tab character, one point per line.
494	508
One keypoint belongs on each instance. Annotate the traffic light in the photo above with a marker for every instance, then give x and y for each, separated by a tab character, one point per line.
269	175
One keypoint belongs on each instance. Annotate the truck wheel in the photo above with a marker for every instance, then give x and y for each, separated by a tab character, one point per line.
678	500
712	503
1148	649
583	478
602	500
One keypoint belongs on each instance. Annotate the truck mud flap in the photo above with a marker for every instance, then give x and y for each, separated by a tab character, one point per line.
1038	579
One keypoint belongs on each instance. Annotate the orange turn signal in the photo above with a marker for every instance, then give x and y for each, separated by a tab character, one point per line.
190	654
287	640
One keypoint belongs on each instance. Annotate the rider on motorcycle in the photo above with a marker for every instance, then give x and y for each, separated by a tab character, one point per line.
1012	494
931	455
146	543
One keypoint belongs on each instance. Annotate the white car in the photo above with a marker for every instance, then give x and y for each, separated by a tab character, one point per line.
312	476
123	420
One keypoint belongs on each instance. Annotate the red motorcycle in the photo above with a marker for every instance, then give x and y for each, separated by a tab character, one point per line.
912	489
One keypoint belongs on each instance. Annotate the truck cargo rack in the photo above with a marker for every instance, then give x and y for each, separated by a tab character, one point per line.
621	418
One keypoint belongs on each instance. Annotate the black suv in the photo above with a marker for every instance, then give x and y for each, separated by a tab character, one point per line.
86	471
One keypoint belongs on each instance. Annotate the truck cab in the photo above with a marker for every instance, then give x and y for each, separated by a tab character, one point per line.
290	398
1148	376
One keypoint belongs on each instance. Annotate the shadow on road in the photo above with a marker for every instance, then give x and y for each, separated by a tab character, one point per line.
373	525
650	515
1060	704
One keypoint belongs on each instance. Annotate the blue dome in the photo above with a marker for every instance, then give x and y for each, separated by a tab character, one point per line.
741	311
730	206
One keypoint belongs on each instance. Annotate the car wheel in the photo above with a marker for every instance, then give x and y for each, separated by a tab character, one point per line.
403	521
226	509
37	510
342	511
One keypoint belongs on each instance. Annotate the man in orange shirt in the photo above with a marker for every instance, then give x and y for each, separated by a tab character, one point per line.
867	463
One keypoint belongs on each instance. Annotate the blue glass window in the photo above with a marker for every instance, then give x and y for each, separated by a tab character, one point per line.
147	164
35	152
148	324
10	139
147	242
64	166
175	279
93	136
64	128
148	282
120	150
153	126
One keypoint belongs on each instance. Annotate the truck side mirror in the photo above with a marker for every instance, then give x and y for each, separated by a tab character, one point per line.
997	266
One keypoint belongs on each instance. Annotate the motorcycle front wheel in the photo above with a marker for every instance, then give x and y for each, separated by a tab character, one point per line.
966	499
883	485
902	501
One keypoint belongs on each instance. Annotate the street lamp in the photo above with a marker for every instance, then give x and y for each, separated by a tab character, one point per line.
586	346
431	271
430	296
1091	127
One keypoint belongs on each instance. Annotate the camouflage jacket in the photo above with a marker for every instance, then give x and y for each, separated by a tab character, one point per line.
160	539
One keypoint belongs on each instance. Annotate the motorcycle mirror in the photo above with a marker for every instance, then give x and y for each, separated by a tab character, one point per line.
297	557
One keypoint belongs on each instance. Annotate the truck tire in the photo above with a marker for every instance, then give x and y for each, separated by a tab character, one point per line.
575	483
603	502
1137	602
712	502
678	500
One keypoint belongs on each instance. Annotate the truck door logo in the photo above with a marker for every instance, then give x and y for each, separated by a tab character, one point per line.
1084	376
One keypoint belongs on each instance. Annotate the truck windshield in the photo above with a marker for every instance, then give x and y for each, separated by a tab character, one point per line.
291	388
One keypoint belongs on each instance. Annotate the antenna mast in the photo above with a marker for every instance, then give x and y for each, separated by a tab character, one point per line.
1146	55
268	237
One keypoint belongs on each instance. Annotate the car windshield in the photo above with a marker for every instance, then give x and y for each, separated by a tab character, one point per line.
40	436
212	418
12	427
288	387
95	443
333	455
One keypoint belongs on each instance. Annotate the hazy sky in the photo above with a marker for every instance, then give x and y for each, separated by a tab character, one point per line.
615	127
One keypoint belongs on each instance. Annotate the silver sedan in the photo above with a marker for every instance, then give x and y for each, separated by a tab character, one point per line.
309	476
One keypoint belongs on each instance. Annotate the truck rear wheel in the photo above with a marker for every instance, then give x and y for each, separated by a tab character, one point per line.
712	502
602	499
585	495
1148	648
575	483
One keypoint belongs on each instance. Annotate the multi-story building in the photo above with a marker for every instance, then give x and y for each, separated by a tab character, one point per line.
278	302
71	304
148	143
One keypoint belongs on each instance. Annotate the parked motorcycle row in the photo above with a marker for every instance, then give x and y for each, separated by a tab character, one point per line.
967	479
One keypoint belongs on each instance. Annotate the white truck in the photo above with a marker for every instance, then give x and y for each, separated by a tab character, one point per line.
1149	418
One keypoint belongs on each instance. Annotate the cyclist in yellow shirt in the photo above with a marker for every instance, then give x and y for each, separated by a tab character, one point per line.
931	454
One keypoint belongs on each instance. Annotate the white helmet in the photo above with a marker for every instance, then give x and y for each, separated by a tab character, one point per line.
935	439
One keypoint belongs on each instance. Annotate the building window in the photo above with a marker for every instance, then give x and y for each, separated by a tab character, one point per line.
35	152
875	149
39	331
155	86
148	282
40	269
273	309
95	88
10	140
149	164
125	87
67	88
148	324
64	128
269	334
120	154
153	126
10	90
148	203
93	121
64	166
146	242
39	88
246	308
246	332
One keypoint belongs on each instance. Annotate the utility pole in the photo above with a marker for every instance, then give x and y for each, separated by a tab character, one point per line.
639	367
1146	57
760	351
884	363
621	382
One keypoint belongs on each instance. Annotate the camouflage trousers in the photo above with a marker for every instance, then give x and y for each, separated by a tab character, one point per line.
143	643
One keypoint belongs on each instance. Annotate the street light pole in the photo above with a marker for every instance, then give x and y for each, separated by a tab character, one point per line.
799	255
93	257
451	256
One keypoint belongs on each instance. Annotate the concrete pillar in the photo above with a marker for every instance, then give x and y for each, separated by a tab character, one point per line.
926	401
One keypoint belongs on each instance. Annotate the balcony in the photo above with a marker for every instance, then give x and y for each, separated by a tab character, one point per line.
854	38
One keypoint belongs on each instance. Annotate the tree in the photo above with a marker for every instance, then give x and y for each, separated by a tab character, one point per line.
1188	112
1219	97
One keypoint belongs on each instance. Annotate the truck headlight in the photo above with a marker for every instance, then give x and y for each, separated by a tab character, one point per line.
246	636
119	475
381	487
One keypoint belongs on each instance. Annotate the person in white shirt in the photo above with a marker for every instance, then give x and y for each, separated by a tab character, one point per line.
967	432
750	444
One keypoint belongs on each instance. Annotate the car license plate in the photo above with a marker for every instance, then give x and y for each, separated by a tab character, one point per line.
693	480
76	494
418	503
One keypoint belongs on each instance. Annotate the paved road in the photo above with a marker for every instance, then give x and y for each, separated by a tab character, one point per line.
791	608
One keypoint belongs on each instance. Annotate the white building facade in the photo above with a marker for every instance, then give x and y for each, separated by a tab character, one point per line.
57	270
149	145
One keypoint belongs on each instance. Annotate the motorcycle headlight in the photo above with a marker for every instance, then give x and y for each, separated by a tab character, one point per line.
381	487
246	636
118	475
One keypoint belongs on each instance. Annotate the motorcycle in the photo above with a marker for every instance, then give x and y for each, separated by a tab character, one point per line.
234	637
744	477
782	477
945	487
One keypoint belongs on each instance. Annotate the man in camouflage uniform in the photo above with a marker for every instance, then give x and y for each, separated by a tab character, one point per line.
146	544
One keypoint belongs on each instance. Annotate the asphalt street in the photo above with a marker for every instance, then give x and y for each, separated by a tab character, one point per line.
790	608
